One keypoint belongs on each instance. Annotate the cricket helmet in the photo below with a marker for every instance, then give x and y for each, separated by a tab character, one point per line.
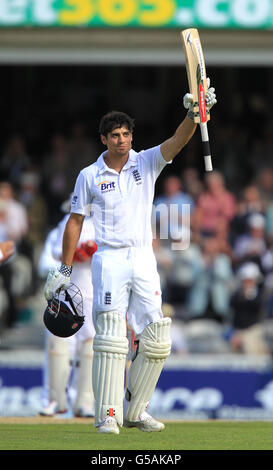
63	316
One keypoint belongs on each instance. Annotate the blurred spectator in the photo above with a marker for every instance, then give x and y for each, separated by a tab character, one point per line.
179	343
13	227
172	208
7	249
214	206
164	263
251	246
222	234
249	202
83	151
248	311
179	279
55	173
15	160
209	295
191	182
31	197
264	182
261	148
13	215
229	145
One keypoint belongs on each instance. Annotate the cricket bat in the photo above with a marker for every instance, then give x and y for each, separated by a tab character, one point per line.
196	72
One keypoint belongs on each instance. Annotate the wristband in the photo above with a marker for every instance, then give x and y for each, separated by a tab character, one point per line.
190	115
65	270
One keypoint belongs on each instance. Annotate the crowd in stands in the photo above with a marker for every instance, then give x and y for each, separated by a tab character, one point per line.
218	289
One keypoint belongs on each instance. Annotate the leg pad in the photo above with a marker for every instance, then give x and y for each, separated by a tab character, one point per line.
154	348
110	351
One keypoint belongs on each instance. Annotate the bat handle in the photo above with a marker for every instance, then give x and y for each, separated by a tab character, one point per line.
206	146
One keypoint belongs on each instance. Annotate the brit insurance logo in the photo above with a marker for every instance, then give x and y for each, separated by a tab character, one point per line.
106	186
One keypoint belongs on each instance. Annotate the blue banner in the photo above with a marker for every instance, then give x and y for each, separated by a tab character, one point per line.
181	393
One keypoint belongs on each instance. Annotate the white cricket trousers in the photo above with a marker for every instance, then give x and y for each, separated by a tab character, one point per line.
126	280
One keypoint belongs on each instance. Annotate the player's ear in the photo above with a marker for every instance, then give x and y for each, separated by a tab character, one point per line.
103	139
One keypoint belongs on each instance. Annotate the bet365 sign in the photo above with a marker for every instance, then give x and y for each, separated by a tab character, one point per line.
138	13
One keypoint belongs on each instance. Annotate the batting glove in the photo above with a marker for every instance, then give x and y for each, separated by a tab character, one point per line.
210	98
57	279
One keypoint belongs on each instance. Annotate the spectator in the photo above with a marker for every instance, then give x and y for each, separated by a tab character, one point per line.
249	202
222	233
175	204
192	183
15	160
210	292
261	148
179	343
215	205
164	263
82	151
247	312
13	219
13	227
31	197
7	249
264	184
181	275
251	246
55	176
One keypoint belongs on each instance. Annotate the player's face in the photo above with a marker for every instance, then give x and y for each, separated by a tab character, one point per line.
118	141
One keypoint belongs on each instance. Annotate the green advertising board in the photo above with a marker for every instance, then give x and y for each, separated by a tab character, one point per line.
255	14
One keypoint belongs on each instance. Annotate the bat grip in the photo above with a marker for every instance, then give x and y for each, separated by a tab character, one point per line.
206	146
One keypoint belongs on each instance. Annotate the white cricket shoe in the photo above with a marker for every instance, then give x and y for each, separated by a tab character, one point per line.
145	423
109	425
51	409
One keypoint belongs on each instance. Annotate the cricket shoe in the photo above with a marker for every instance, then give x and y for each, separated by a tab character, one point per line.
145	423
109	425
51	409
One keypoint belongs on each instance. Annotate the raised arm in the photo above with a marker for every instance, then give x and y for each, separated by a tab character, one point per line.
172	146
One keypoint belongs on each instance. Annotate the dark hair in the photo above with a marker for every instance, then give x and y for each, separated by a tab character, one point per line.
114	119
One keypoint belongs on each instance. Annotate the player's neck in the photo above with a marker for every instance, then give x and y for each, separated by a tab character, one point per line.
114	161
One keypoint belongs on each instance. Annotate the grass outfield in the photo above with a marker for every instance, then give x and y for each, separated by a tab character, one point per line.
25	434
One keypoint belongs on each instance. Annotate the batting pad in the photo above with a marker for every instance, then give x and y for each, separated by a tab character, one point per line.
154	348
59	370
85	397
110	351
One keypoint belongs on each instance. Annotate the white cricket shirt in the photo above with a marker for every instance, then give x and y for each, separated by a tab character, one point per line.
121	203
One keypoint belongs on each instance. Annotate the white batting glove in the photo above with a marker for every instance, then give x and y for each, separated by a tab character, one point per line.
188	101
56	281
210	98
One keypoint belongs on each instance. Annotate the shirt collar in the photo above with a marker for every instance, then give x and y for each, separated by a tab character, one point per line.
102	167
